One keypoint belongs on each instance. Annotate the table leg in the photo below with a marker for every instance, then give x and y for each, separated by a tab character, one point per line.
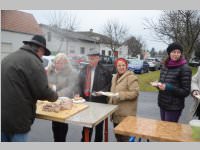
86	133
106	130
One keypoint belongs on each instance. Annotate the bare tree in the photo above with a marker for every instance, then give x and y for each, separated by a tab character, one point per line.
63	19
153	52
135	46
197	49
62	22
116	32
181	26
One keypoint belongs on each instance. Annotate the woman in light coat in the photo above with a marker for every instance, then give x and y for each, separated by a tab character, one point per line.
195	90
125	85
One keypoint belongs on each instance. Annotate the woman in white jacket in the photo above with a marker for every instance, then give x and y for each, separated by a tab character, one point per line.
195	90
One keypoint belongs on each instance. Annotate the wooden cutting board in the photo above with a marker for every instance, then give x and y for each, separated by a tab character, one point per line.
60	116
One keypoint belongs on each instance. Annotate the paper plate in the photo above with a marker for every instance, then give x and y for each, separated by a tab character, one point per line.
197	96
109	94
78	101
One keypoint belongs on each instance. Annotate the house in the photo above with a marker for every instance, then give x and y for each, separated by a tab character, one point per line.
16	26
123	51
68	42
102	40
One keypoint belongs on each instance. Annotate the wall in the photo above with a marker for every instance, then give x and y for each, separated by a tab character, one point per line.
123	51
68	44
12	41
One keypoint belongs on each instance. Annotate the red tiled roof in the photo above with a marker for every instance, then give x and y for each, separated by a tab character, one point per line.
18	21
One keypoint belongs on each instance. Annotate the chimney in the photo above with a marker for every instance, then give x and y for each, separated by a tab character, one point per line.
91	30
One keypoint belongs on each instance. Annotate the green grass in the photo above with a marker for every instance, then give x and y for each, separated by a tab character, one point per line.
194	70
145	79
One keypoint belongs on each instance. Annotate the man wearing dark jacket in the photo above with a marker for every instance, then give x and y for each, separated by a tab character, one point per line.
23	82
94	77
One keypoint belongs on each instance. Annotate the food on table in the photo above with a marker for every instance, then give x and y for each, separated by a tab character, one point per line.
77	98
59	105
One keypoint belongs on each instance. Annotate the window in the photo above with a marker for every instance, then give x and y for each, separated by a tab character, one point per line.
103	52
109	53
82	50
49	36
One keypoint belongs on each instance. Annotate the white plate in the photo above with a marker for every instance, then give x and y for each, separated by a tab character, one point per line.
78	101
155	84
197	96
109	94
63	98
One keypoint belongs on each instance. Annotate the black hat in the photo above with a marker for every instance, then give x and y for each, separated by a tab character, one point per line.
174	46
93	53
40	41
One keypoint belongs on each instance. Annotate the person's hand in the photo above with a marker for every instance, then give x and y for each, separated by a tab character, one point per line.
53	87
161	86
195	92
98	94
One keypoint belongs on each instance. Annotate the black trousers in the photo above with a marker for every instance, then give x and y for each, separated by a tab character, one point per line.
59	131
198	112
120	138
98	133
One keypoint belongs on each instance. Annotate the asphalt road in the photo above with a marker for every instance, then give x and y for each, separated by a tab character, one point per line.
147	107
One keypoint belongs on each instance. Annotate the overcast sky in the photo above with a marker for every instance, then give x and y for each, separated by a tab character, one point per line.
95	19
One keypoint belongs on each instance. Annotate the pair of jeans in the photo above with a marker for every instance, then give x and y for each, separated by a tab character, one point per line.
19	137
170	115
59	131
98	133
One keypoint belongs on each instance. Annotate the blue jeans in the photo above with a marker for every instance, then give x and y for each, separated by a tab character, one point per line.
14	137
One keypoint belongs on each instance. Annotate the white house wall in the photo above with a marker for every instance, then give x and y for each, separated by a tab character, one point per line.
123	51
12	41
68	44
106	48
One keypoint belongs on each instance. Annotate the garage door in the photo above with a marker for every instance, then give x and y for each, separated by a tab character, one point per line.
6	48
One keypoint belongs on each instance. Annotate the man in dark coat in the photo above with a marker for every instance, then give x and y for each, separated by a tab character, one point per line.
23	82
94	77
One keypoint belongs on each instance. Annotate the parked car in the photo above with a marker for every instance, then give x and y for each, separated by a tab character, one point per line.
131	59
108	63
154	63
75	60
194	62
47	61
107	59
138	66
